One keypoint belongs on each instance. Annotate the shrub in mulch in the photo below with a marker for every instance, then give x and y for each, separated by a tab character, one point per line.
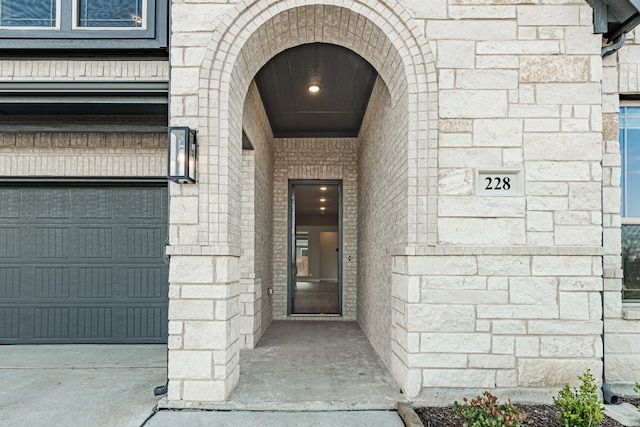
537	416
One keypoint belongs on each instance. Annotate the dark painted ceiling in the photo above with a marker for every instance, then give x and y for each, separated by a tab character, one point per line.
308	200
345	81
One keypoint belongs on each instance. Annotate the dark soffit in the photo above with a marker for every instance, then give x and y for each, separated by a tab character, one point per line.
615	17
346	81
37	98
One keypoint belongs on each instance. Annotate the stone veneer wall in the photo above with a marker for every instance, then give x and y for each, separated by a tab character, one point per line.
509	298
256	261
621	76
315	158
382	155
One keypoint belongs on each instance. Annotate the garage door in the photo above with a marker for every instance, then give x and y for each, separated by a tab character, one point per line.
83	264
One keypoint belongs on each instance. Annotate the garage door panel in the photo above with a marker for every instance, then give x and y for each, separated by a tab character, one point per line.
145	282
10	322
142	204
144	242
145	322
10	206
10	242
93	203
9	283
95	323
95	242
52	283
83	264
51	322
95	282
52	242
51	204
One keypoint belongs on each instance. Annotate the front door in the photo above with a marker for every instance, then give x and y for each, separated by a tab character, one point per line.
315	242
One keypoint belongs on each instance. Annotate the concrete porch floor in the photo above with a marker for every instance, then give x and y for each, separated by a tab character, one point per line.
311	366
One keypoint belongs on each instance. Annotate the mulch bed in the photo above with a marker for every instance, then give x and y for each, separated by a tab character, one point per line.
537	416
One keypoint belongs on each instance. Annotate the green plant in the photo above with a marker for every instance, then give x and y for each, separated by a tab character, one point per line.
581	407
485	411
637	390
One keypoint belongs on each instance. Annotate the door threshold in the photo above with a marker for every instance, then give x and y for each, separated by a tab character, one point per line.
315	315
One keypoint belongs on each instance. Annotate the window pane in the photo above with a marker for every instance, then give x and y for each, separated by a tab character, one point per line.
110	13
631	261
630	151
28	13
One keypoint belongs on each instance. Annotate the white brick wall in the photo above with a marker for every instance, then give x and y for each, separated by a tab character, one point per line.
315	158
381	155
256	262
82	69
69	154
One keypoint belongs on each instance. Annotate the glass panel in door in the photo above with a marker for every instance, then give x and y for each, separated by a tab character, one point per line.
315	270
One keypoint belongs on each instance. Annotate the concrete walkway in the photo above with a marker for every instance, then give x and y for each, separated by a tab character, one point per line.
302	374
310	366
276	419
302	366
79	385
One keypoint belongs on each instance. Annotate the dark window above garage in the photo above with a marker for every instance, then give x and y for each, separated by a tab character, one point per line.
83	24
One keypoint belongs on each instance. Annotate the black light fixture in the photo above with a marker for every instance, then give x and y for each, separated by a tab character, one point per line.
182	155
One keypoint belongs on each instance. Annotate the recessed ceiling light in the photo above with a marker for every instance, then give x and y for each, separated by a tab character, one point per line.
313	88
322	208
323	188
323	200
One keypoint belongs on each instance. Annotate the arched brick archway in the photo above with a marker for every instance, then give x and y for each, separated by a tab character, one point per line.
243	40
382	33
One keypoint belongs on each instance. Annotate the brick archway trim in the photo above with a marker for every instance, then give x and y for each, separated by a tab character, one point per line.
254	31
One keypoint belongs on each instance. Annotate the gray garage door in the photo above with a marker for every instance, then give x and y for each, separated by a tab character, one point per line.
83	264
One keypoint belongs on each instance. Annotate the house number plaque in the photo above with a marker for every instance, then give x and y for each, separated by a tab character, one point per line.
499	182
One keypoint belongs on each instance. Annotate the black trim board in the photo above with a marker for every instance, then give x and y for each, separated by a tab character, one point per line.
82	181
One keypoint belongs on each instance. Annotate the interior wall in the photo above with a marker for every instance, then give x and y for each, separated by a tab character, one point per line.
381	212
309	159
315	249
256	273
329	243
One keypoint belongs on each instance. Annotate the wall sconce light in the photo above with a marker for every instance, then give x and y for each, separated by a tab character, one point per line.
182	155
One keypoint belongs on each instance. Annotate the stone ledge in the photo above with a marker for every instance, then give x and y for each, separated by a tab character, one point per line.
631	312
498	250
202	250
613	273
